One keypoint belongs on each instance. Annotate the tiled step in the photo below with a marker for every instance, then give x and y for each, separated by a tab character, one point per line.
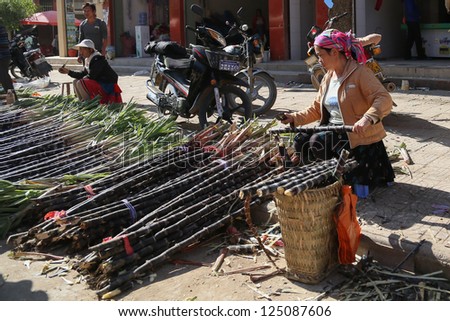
430	74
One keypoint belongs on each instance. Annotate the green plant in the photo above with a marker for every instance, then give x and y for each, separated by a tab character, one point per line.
12	11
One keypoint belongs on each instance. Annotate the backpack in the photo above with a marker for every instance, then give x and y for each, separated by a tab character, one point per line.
169	49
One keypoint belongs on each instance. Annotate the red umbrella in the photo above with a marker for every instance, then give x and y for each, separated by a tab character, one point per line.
45	18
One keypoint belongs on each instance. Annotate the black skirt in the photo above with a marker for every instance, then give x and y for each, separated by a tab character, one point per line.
374	167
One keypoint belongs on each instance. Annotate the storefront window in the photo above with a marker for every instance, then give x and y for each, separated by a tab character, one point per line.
434	11
159	19
46	5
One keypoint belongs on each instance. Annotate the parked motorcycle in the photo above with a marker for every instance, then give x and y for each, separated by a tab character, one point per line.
197	81
316	69
371	51
262	88
27	64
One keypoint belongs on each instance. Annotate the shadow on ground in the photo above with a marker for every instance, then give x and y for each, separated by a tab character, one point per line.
20	291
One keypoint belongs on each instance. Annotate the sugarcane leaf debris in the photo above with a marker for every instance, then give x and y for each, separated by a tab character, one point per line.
371	281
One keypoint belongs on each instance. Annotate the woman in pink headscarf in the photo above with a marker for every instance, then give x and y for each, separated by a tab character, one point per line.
349	94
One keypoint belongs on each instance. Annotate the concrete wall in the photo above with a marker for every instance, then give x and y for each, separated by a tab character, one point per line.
386	21
130	14
301	19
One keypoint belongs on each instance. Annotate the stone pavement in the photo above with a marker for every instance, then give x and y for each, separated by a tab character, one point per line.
394	219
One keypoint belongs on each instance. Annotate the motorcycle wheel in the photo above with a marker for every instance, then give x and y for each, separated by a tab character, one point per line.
316	78
167	88
390	86
264	93
15	71
233	99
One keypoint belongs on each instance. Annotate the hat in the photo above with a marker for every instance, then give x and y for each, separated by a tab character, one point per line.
86	43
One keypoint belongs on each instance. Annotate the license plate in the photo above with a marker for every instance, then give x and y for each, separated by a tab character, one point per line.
374	66
39	61
229	65
158	79
311	60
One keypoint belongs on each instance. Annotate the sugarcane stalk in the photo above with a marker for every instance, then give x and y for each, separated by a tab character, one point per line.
311	130
310	183
149	264
180	218
340	166
172	230
289	183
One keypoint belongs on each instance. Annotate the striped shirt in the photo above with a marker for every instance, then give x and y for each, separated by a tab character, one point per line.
4	44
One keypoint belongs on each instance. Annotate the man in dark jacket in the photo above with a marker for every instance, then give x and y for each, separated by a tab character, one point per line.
97	77
412	20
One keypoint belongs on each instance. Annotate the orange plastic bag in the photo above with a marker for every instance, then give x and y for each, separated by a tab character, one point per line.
348	229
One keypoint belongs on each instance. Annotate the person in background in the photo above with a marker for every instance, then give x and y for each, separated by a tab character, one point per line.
349	94
97	77
414	36
373	38
259	25
55	45
93	28
5	59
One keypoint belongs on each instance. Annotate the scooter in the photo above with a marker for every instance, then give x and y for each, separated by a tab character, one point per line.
312	61
316	69
27	64
371	51
197	81
262	88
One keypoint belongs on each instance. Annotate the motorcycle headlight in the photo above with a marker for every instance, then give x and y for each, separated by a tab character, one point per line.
376	50
244	27
233	49
216	36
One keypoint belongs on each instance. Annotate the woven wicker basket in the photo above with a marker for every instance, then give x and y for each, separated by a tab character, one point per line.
309	232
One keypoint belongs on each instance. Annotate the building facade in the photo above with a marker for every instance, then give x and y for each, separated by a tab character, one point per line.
287	22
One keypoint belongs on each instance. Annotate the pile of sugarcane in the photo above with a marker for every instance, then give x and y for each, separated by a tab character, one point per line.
136	218
295	180
157	208
44	141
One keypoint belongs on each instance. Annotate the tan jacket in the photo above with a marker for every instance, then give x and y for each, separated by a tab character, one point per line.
360	93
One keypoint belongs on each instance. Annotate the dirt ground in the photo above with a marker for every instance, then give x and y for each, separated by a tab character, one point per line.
172	282
20	280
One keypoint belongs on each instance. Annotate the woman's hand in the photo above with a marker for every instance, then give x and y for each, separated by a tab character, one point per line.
361	125
63	70
286	118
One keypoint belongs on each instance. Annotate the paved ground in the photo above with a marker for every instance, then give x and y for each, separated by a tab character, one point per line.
393	219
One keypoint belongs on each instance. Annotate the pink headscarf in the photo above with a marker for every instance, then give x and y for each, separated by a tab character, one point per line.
344	42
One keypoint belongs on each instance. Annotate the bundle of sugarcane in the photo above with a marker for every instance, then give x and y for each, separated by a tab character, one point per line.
91	216
163	215
156	182
60	136
311	130
162	232
166	215
298	179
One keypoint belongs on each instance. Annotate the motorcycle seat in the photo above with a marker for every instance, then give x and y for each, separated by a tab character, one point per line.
177	63
179	77
31	52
